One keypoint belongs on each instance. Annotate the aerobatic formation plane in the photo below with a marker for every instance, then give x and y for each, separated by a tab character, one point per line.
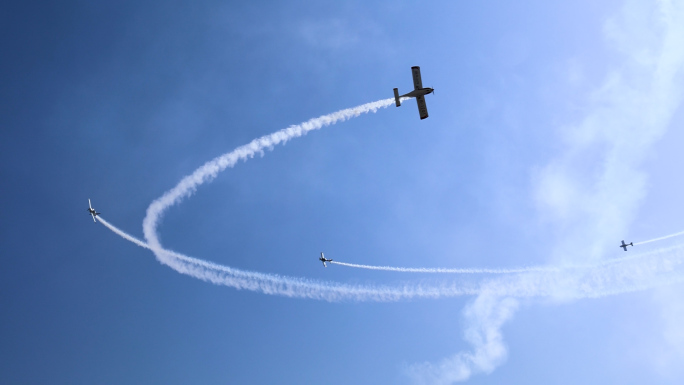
92	211
624	245
324	260
418	92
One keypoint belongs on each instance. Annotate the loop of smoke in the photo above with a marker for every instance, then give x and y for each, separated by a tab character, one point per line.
611	277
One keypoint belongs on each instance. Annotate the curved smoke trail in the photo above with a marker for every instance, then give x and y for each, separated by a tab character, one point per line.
634	273
294	286
207	172
656	268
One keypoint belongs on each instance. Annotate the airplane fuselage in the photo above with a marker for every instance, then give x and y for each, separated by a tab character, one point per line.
418	92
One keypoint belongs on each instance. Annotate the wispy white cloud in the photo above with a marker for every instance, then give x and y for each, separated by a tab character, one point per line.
484	318
592	189
667	356
332	34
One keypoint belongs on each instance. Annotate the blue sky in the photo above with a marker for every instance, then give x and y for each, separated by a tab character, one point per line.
552	135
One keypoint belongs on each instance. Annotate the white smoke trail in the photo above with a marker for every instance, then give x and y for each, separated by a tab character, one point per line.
443	270
629	274
211	169
294	286
659	239
656	268
514	270
123	234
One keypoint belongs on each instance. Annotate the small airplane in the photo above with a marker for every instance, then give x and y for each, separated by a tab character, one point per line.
92	211
624	245
418	92
324	260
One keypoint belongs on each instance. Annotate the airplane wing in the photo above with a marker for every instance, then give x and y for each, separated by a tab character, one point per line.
422	108
417	82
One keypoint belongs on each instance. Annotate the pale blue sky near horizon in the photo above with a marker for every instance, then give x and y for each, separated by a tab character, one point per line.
117	102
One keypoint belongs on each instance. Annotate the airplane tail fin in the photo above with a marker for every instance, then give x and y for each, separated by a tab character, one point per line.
396	97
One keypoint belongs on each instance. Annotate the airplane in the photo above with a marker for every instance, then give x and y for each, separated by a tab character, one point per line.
92	211
418	92
624	245
324	260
